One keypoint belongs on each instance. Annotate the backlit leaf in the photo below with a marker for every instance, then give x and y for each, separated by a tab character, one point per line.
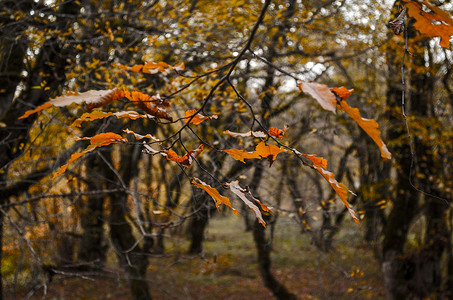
316	160
103	139
154	68
258	134
321	93
268	151
241	193
92	99
241	154
154	105
37	109
139	136
439	24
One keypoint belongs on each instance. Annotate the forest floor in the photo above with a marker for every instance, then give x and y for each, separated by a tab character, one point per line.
228	269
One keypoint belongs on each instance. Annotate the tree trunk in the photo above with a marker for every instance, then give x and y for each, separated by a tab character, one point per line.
1	254
263	246
131	255
200	220
92	247
264	264
416	274
50	67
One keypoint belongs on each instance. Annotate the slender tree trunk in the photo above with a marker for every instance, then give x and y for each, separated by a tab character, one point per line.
416	274
200	220
263	249
2	218
263	246
92	248
131	255
50	67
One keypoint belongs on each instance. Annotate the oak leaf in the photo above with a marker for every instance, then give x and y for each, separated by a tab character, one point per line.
439	24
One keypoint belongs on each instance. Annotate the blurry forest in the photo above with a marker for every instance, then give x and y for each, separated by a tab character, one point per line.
189	94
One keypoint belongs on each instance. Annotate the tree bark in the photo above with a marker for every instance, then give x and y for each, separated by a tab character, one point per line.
263	246
92	247
50	67
416	274
131	255
200	220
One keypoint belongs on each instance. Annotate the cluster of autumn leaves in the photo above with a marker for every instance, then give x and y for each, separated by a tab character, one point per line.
155	107
331	99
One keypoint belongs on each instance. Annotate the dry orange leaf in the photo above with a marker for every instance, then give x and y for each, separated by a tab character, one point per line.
185	160
95	115
139	136
278	133
316	160
218	199
342	92
439	24
268	151
154	105
198	118
321	93
37	109
64	167
258	134
261	151
102	139
340	189
241	154
99	140
371	127
241	193
91	99
153	68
